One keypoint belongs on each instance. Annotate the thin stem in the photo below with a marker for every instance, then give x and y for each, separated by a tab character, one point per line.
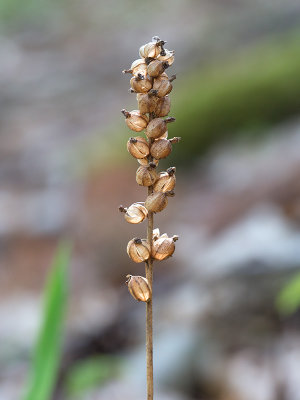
149	316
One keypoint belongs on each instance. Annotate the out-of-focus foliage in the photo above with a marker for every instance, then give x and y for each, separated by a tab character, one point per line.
288	300
244	94
90	373
48	348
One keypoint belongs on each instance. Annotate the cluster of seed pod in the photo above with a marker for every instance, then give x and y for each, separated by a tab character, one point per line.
152	87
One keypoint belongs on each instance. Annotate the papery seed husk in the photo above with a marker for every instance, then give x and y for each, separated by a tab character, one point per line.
136	121
155	234
156	128
151	49
165	182
145	161
146	176
156	202
156	67
163	87
146	103
139	288
138	252
163	106
164	136
161	148
136	213
141	85
163	248
140	149
139	67
169	56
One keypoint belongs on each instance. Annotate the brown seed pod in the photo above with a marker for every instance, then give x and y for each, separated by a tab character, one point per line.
164	136
163	247
156	67
163	86
138	147
155	234
138	250
141	83
135	120
161	148
163	106
168	56
135	213
157	201
146	175
157	127
166	181
139	288
145	161
137	67
151	49
147	102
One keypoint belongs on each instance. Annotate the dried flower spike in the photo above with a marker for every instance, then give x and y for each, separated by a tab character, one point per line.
138	250
163	247
139	288
135	213
153	86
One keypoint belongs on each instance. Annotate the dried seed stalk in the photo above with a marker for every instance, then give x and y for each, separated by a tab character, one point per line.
152	86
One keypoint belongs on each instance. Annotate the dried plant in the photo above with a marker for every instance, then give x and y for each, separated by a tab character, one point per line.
152	85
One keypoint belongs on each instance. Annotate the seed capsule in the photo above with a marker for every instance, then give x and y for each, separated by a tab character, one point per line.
157	201
135	213
156	234
138	147
138	250
156	67
163	247
166	181
145	161
137	67
146	175
157	127
139	288
161	148
152	49
163	106
147	102
163	86
168	56
135	120
164	136
141	83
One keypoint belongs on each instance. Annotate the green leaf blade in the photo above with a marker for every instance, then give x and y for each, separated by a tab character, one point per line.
288	299
48	347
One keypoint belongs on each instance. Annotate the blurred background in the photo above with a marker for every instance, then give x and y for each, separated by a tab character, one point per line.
226	304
